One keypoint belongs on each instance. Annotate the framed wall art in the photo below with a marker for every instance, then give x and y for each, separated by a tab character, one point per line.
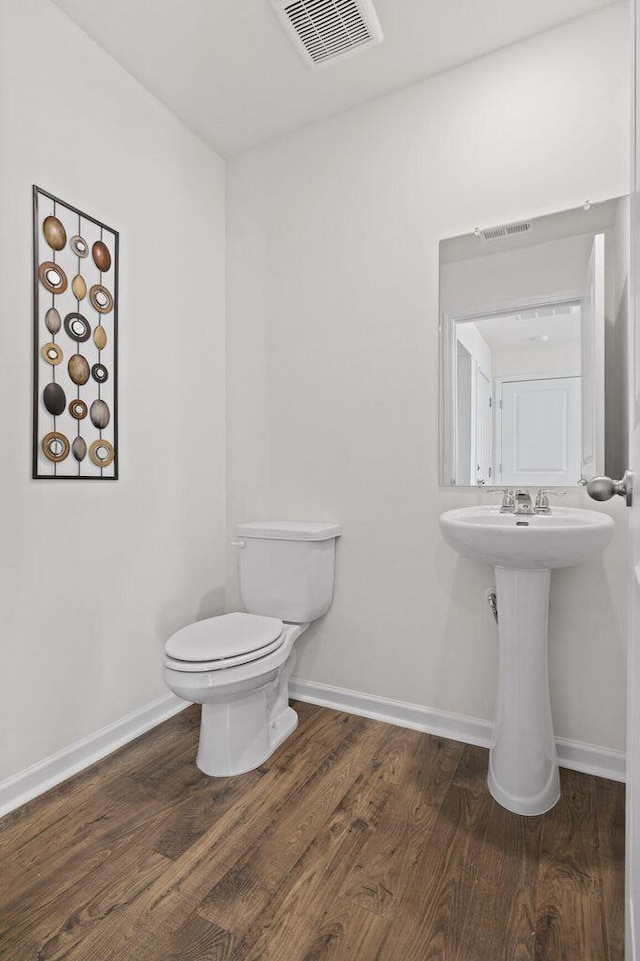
75	320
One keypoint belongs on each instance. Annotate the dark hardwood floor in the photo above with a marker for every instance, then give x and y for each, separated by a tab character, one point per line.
357	840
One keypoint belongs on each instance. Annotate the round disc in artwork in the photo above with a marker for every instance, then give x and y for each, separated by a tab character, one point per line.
52	353
54	399
79	246
54	232
79	448
77	327
101	453
101	256
100	414
52	321
79	287
100	337
78	368
55	446
78	409
101	299
52	277
99	373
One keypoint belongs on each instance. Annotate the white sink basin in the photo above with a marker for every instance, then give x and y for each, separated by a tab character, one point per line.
527	542
524	549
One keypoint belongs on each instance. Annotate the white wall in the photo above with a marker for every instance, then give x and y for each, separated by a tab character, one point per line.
96	576
555	357
557	266
333	360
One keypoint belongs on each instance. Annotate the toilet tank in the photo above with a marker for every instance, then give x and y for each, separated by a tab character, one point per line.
287	568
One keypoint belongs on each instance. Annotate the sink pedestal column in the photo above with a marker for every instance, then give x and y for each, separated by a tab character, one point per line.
523	765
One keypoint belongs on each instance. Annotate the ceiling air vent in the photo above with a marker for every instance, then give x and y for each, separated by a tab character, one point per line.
506	230
324	31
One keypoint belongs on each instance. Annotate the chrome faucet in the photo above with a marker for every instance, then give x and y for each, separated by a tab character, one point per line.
519	502
523	502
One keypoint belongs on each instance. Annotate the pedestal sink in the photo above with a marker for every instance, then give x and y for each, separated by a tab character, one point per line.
524	549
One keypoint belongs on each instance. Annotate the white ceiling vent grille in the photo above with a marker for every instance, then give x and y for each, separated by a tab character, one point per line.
506	230
324	31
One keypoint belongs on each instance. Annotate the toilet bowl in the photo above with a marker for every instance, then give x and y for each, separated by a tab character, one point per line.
238	665
244	697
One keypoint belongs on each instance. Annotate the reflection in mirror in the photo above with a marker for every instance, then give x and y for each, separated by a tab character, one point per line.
533	328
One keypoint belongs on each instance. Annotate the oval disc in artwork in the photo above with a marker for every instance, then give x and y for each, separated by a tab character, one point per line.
54	232
100	414
100	337
52	277
52	320
79	448
52	354
101	299
55	446
53	398
101	453
79	287
79	246
99	373
78	409
78	368
101	256
77	327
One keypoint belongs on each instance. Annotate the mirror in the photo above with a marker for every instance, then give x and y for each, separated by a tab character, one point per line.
533	334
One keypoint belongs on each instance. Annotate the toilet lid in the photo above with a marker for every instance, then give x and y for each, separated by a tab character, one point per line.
226	636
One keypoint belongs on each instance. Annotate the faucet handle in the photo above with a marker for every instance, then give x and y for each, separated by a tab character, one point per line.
542	498
508	498
508	501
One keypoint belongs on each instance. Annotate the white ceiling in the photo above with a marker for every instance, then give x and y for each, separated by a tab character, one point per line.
228	70
521	331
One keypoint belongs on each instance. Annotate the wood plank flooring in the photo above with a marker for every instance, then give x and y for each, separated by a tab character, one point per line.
356	840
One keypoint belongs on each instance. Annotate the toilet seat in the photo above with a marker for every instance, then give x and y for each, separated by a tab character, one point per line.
224	641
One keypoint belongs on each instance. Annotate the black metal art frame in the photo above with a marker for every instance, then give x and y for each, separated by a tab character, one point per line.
37	472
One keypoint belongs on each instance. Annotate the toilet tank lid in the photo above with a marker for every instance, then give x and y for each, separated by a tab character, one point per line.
289	530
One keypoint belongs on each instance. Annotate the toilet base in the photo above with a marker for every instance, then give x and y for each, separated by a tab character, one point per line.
227	749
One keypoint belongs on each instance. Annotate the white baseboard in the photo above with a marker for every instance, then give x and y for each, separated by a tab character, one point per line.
575	755
591	759
38	778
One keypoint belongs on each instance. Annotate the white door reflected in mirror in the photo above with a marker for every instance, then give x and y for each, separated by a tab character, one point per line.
538	431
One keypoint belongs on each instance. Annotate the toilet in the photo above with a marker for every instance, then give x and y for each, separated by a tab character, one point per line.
238	665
